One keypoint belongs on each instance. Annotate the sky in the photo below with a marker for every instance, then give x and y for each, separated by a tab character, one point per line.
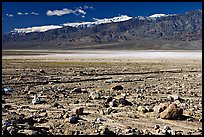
31	14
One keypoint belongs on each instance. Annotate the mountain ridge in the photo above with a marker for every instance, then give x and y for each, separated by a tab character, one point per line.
180	28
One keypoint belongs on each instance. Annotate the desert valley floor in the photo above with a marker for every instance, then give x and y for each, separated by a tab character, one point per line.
102	92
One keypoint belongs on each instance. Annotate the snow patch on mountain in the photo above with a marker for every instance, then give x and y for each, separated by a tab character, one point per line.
158	15
36	29
87	24
155	16
99	21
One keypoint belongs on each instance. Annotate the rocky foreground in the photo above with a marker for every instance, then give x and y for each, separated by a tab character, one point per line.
41	97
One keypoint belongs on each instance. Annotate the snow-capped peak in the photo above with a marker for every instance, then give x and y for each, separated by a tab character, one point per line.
75	24
161	15
36	29
87	24
154	16
114	19
158	15
99	21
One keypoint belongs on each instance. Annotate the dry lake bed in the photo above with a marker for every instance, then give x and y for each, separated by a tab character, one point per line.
72	92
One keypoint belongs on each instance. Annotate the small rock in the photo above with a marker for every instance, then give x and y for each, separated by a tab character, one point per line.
178	132
142	109
76	133
27	132
55	105
41	120
177	102
100	120
4	130
147	132
36	100
200	129
76	90
123	95
165	132
108	99
66	116
78	111
27	88
95	95
12	77
24	107
73	119
149	108
103	130
113	103
173	97
7	106
30	121
101	111
118	87
12	130
166	128
171	112
31	92
7	90
110	110
131	131
43	114
42	110
189	119
109	81
42	71
124	102
3	101
7	123
76	102
156	126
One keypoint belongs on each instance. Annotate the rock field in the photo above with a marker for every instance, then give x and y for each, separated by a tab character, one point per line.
117	97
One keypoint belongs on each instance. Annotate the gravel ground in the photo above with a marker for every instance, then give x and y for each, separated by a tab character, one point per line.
92	96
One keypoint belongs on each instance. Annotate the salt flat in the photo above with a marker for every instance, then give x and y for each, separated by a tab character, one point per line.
111	54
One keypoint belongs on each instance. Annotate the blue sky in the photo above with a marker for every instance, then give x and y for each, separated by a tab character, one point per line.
29	14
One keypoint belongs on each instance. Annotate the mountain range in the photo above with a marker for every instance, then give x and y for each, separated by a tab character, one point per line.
158	31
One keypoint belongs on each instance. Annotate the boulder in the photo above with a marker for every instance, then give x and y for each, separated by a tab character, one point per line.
171	112
161	107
